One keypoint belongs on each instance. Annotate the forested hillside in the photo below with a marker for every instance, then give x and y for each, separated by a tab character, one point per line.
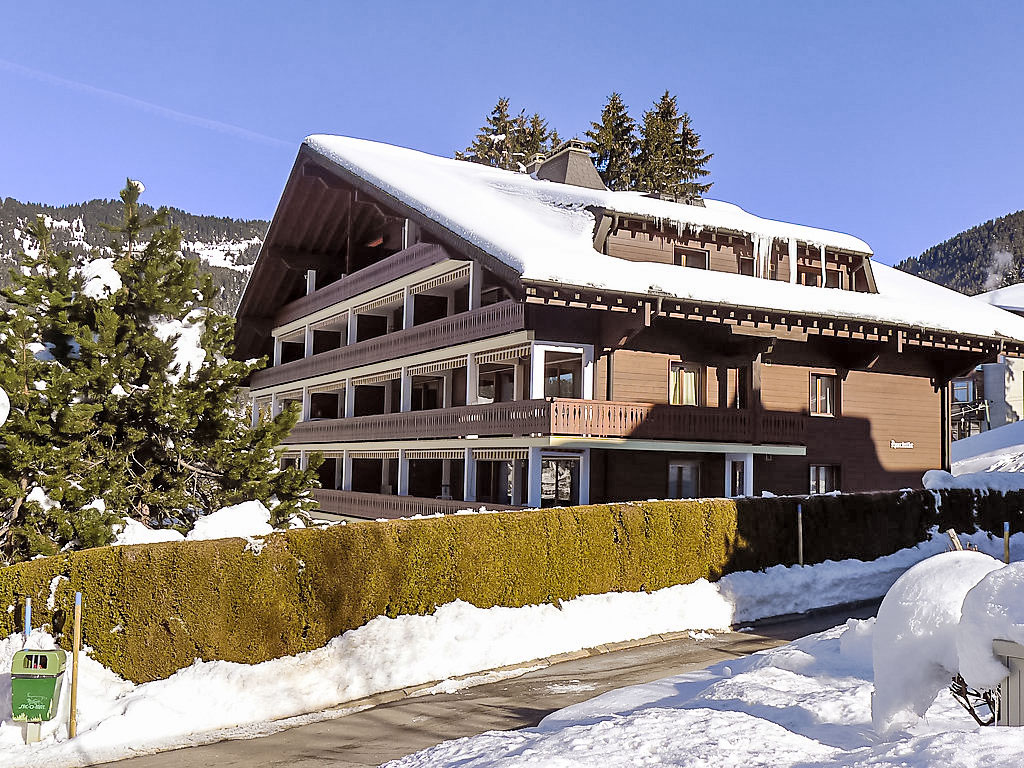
224	247
979	259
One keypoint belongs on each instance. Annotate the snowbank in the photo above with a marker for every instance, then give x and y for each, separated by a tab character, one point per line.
134	532
993	609
995	450
1002	482
915	638
202	703
803	704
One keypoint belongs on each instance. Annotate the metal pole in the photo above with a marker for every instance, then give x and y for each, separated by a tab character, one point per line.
28	617
75	647
800	534
1006	542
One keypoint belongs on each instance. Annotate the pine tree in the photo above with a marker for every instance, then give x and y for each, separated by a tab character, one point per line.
530	138
613	145
669	158
491	145
123	368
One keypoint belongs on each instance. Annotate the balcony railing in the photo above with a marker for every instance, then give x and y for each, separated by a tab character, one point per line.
492	320
373	506
571	418
397	265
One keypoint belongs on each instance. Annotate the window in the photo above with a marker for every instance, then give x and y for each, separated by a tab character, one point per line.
746	265
559	482
737	469
963	390
685	384
563	375
740	395
694	258
823	394
683	479
824	478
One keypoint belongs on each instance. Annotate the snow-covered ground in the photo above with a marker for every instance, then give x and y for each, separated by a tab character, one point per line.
849	696
210	701
996	450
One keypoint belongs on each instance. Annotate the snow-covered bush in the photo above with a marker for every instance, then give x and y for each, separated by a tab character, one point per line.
992	610
914	645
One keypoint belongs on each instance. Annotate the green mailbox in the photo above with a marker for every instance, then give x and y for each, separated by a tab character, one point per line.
36	678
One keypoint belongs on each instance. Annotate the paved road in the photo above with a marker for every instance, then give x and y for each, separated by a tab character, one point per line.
389	731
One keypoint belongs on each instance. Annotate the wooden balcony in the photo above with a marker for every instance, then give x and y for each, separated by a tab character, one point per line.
397	265
493	320
564	417
373	506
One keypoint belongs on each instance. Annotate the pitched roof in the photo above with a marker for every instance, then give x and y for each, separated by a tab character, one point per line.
544	231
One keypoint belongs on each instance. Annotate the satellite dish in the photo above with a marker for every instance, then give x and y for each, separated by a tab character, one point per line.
5	407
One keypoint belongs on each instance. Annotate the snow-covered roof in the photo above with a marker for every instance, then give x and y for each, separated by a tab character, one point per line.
1011	297
543	230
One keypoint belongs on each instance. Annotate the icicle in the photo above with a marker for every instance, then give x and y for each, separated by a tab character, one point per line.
792	260
823	283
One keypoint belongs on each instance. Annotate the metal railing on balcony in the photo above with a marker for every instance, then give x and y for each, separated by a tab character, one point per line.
564	417
373	506
412	259
493	320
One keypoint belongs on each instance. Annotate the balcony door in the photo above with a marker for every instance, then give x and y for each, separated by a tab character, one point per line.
559	482
685	384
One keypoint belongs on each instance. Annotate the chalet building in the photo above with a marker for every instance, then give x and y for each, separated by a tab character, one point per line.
457	335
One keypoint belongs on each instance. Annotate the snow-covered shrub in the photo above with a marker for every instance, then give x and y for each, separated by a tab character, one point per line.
992	610
914	643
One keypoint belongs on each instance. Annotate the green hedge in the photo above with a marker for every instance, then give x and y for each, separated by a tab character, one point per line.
153	609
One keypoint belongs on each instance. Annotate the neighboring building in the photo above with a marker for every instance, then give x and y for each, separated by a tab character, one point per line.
456	334
992	395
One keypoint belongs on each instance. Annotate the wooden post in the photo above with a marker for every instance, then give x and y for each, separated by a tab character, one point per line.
75	647
955	539
1006	543
800	534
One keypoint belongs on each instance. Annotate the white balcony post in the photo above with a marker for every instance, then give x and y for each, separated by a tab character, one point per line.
533	474
339	466
588	372
307	350
475	280
350	399
306	400
255	413
353	327
277	350
748	474
346	471
449	309
275	406
448	379
472	380
403	474
303	460
517	380
406	393
536	372
408	308
585	477
469	477
386	485
310	281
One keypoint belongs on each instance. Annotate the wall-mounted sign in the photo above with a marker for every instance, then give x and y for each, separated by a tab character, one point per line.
896	444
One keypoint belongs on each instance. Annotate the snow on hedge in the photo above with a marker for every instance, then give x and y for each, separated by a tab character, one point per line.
543	230
915	636
245	520
1003	482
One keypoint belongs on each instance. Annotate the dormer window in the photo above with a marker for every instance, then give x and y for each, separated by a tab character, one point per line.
695	258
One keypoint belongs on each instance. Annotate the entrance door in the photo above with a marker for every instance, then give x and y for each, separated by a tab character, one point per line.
559	482
684	479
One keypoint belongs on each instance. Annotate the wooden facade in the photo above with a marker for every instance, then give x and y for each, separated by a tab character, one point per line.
432	377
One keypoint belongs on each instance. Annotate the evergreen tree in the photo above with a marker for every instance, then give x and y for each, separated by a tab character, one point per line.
613	145
531	137
669	157
491	145
124	397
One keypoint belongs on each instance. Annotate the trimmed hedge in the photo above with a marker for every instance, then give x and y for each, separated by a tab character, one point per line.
152	609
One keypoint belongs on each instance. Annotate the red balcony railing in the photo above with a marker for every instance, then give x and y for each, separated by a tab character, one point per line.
572	418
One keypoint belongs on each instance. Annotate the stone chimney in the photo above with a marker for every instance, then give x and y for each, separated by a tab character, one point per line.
570	163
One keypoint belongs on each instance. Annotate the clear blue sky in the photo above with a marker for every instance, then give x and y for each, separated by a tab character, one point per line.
899	122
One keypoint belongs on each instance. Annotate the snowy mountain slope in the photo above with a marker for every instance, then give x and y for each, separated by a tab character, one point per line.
225	247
